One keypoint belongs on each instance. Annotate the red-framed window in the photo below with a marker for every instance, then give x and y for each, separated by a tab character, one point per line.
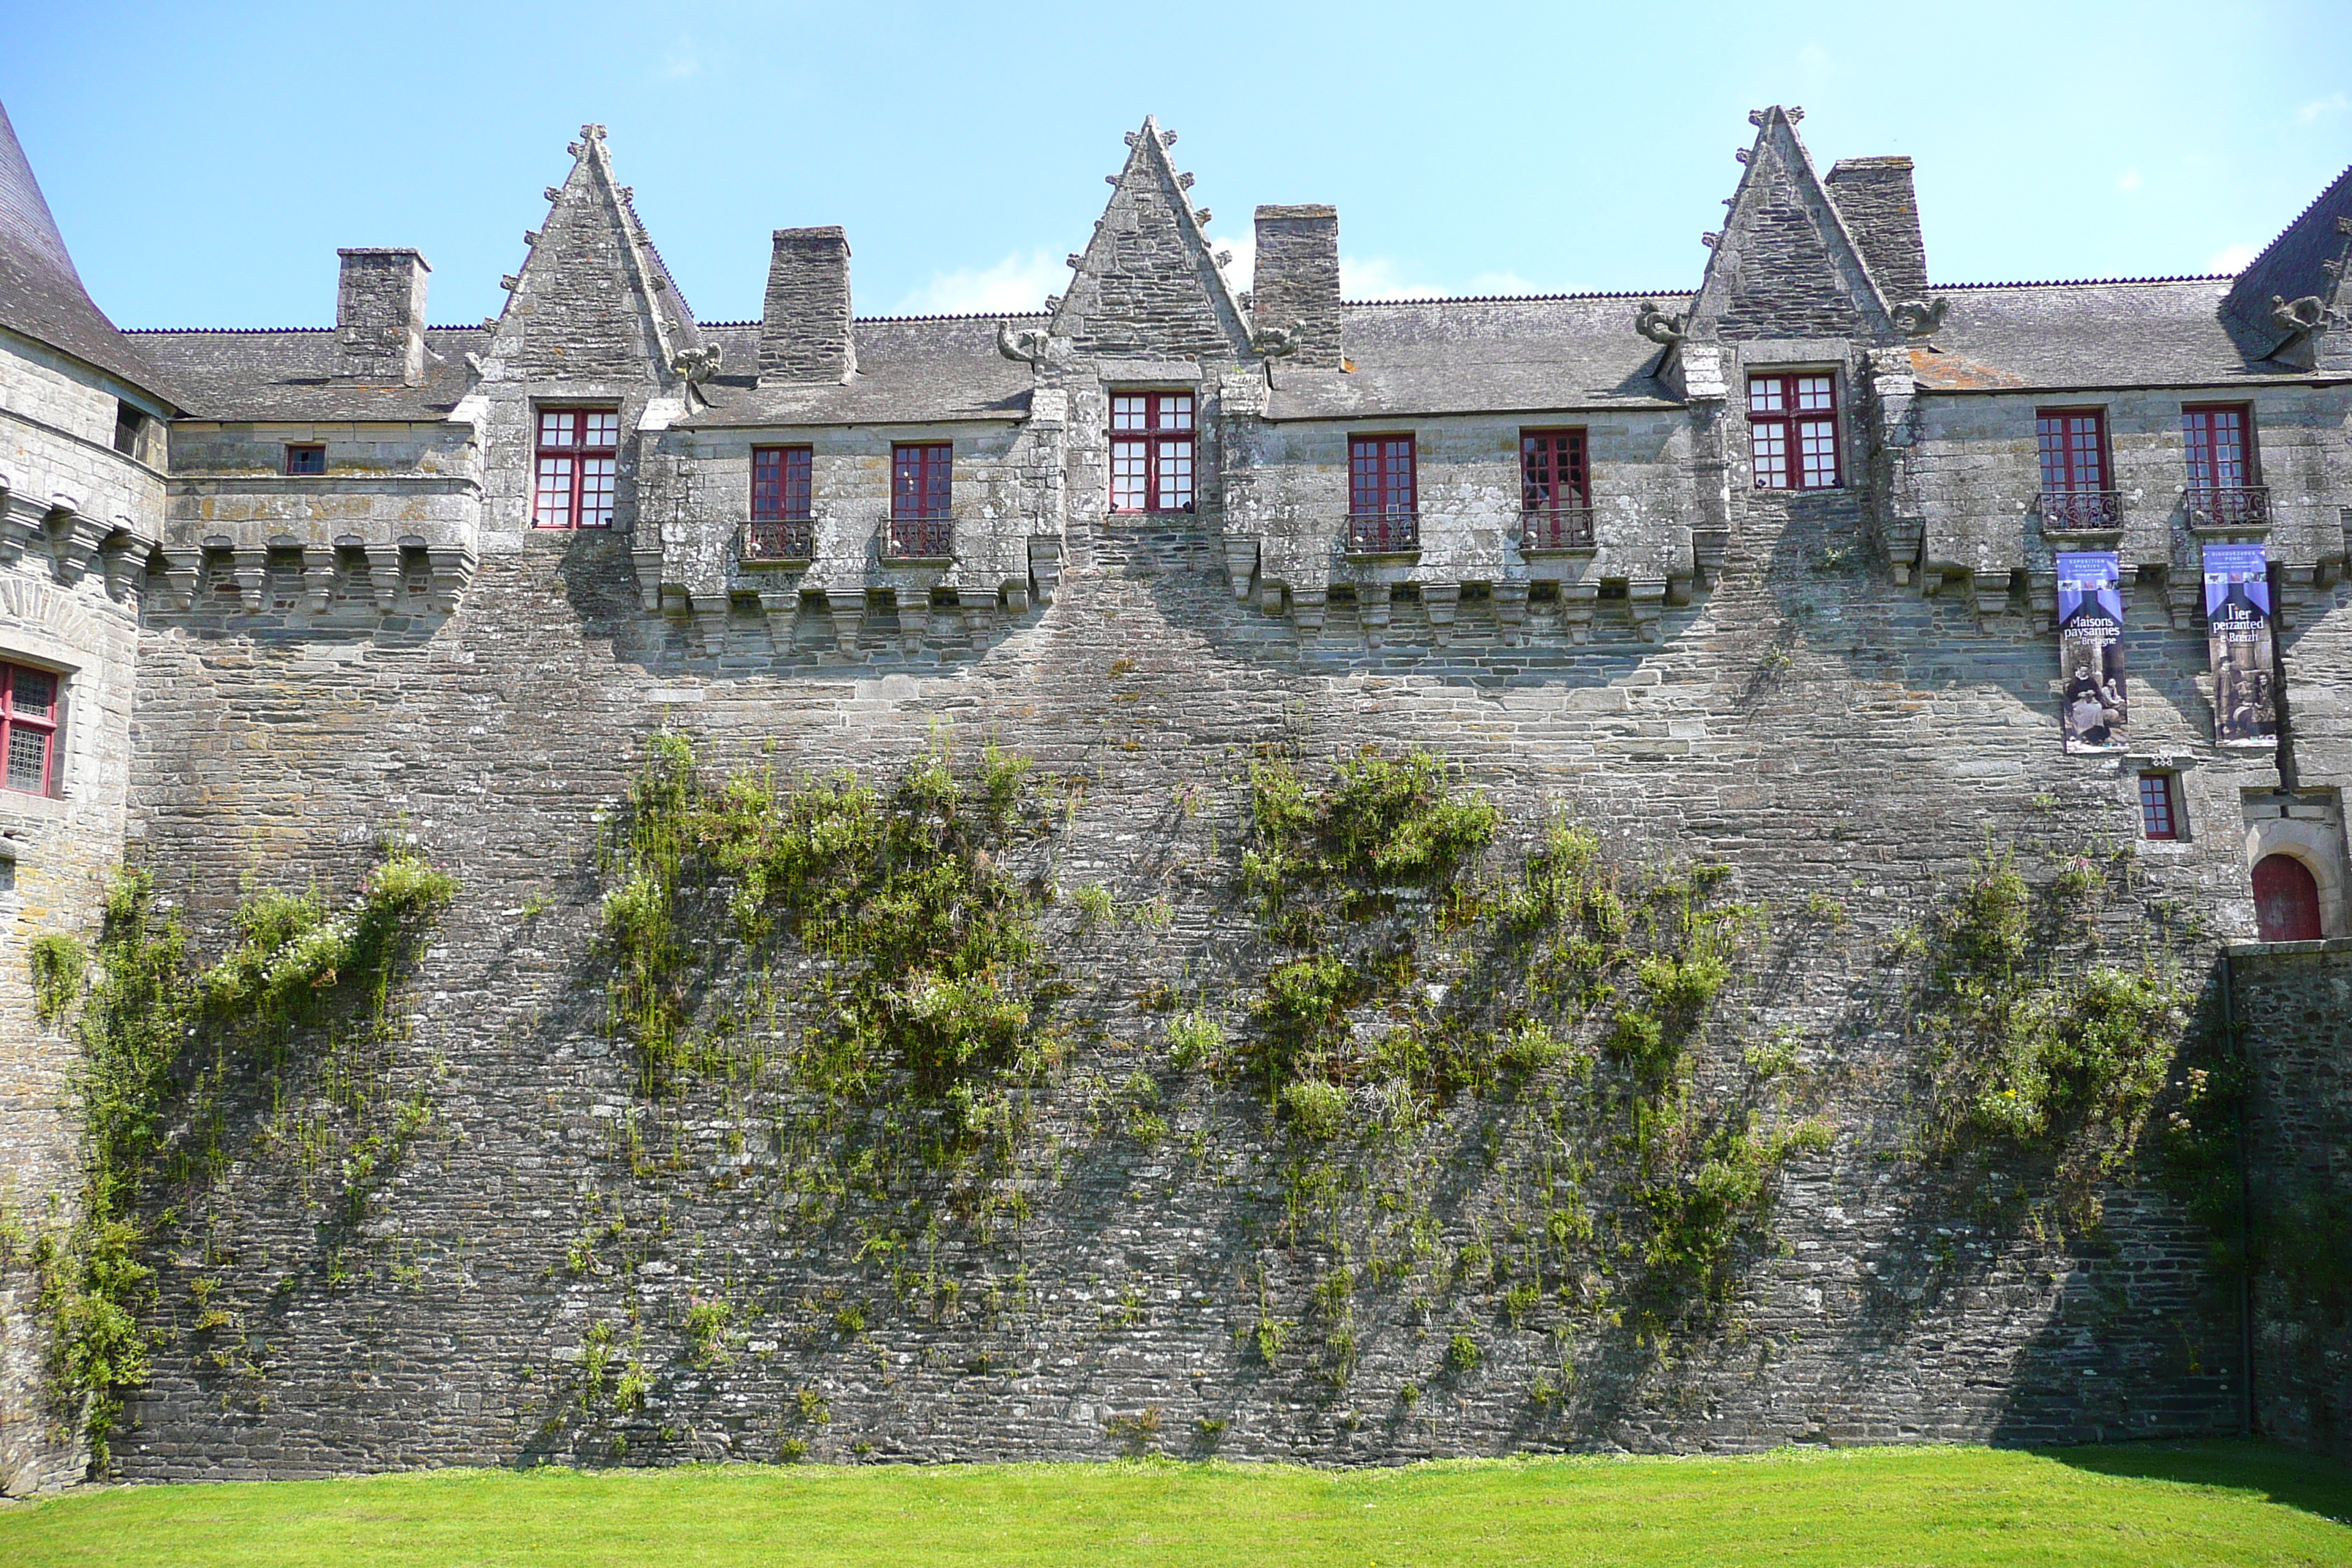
781	524
578	454
2073	442
1151	451
29	728
306	458
2159	807
1792	431
922	499
1555	488
1382	501
2221	458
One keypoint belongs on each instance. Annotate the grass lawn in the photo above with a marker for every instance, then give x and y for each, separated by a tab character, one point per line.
2233	1503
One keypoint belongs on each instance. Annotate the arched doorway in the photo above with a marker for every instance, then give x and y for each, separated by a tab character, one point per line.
2286	899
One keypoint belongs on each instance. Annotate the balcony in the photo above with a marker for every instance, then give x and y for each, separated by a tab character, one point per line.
1556	528
2081	512
1384	532
926	537
2227	506
776	543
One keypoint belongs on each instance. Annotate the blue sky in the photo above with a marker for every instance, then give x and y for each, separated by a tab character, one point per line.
204	160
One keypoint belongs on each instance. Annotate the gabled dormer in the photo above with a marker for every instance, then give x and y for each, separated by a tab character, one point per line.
593	299
1787	263
1147	286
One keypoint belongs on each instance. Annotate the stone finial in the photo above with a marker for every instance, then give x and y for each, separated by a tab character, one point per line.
1709	238
1205	216
1025	345
572	147
1658	326
1756	117
1168	138
1915	318
554	193
1795	111
1183	181
1740	155
592	134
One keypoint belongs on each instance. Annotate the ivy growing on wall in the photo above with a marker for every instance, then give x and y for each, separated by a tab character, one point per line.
165	1041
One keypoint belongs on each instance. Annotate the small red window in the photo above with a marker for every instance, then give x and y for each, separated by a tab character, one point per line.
2218	449
579	455
2159	816
1151	451
922	500
1555	489
1793	432
781	528
29	728
1380	494
305	459
2073	442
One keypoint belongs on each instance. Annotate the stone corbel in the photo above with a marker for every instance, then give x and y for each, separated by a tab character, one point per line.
1906	537
1511	610
1645	600
1441	602
979	606
387	574
1241	565
250	570
648	562
1269	597
914	615
1016	596
709	615
2041	600
182	570
1307	607
1045	566
22	520
318	577
1678	588
1991	591
123	558
848	609
1372	611
1708	547
782	606
75	544
1578	600
452	567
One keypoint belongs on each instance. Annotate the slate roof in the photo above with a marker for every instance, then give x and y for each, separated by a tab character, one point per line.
41	294
1461	356
909	371
2149	332
289	375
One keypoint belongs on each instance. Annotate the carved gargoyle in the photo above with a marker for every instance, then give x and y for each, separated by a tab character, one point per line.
1657	326
1915	318
1027	345
695	366
2307	317
1275	342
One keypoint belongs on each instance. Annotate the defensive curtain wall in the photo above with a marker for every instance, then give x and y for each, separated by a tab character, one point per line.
1206	981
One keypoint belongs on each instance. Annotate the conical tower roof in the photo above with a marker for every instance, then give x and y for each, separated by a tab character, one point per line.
41	295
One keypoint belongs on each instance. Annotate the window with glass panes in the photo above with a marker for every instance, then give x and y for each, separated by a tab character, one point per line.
781	489
2074	444
29	728
1555	488
922	499
1792	431
579	453
2159	816
2218	450
1151	451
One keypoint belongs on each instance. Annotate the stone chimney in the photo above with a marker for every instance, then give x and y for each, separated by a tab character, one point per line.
804	331
1875	197
1297	279
380	315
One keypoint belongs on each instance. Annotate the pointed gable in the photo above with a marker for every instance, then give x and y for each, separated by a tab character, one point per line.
1786	265
2294	290
594	298
1147	285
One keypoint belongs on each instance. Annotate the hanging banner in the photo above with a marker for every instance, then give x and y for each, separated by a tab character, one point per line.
2094	717
2237	641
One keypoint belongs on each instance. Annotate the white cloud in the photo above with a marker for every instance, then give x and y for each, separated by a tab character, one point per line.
1243	265
2231	258
1017	283
2128	180
2334	103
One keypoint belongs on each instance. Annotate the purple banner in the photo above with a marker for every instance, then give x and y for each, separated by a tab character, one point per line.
2238	642
2093	715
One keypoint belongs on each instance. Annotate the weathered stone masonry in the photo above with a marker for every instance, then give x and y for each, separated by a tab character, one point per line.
1838	693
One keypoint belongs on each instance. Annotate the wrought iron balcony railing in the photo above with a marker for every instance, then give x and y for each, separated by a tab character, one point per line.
1556	528
2082	511
2228	506
920	538
778	540
1384	532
